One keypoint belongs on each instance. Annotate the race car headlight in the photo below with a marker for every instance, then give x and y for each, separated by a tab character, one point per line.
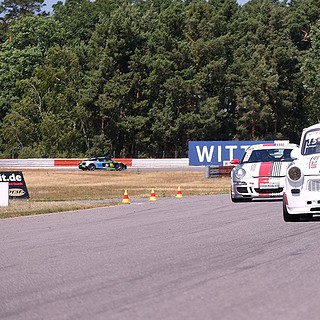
239	173
294	173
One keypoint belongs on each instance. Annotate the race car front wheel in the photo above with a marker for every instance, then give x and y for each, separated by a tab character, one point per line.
91	167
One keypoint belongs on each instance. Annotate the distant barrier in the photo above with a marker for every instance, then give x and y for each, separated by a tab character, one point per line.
153	163
26	163
72	163
40	163
225	171
215	171
64	162
212	171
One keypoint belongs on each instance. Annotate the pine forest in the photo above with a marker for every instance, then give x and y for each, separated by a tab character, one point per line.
143	78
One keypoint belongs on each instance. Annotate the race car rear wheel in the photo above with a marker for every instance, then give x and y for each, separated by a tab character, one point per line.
120	166
91	167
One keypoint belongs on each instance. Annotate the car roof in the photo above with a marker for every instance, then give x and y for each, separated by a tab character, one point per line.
100	157
280	145
315	126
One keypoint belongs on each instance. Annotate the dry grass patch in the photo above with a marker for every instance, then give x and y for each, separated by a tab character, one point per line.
29	207
61	190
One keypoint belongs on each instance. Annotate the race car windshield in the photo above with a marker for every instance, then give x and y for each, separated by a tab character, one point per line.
311	142
267	155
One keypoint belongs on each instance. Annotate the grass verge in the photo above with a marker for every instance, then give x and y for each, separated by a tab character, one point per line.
63	190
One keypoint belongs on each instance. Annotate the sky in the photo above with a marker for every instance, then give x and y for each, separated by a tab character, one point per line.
49	3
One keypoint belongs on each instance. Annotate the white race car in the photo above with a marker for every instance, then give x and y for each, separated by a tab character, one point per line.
261	172
302	182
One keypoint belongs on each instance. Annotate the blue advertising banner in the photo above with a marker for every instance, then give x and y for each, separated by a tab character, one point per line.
203	153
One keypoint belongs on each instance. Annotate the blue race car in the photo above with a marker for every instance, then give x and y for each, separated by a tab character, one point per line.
104	163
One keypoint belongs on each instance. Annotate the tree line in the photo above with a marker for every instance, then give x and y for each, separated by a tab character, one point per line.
142	78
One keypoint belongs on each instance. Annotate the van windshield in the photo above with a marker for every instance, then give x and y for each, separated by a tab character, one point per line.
311	142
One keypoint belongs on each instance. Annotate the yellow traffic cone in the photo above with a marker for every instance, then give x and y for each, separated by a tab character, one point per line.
153	196
126	197
179	193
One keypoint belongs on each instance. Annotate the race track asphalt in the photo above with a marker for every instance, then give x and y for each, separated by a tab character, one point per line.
199	257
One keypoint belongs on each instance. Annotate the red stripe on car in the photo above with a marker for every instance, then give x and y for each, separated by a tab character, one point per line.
285	199
264	173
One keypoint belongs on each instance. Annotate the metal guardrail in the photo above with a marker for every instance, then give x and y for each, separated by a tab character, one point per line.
225	171
26	163
214	171
51	163
39	163
140	163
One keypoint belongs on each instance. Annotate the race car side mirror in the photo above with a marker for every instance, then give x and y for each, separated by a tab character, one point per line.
295	153
235	161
